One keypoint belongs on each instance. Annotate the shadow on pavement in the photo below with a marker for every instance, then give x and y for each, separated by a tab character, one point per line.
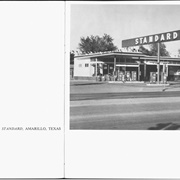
165	126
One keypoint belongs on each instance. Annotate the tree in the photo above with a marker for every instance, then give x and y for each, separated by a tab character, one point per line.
154	50
96	44
144	50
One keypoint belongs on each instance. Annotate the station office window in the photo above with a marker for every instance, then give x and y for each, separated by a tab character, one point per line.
86	65
80	65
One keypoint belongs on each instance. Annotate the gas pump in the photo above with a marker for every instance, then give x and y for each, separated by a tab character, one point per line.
121	76
128	75
134	76
153	77
163	78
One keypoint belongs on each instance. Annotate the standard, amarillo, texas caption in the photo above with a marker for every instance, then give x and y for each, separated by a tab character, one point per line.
30	128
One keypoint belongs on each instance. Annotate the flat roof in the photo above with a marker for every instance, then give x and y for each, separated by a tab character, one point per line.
164	58
131	54
106	54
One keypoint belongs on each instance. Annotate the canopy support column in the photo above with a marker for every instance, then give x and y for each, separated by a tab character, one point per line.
139	72
114	67
96	69
144	71
163	72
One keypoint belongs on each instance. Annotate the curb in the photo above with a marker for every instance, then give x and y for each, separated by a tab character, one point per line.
158	85
127	82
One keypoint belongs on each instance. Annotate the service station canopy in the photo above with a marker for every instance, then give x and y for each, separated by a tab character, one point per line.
163	37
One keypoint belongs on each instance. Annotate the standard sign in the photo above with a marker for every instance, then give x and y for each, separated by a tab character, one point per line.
164	37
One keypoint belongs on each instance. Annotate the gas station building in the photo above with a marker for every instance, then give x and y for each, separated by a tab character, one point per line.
136	66
131	64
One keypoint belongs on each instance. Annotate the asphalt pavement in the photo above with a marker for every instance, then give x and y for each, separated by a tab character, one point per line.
96	106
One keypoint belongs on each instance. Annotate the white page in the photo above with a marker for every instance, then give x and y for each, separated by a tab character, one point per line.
31	89
117	153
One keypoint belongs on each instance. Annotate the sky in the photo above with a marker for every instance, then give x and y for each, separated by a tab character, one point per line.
124	21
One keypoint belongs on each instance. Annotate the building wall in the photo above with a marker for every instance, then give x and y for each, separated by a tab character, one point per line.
82	67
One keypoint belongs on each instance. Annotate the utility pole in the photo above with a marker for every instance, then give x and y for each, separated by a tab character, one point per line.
158	63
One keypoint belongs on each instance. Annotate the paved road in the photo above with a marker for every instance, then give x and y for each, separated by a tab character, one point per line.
126	111
123	95
124	106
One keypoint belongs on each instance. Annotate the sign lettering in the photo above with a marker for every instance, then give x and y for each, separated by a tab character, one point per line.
163	37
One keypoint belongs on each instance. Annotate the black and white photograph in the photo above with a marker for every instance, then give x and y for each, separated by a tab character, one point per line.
73	72
124	66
